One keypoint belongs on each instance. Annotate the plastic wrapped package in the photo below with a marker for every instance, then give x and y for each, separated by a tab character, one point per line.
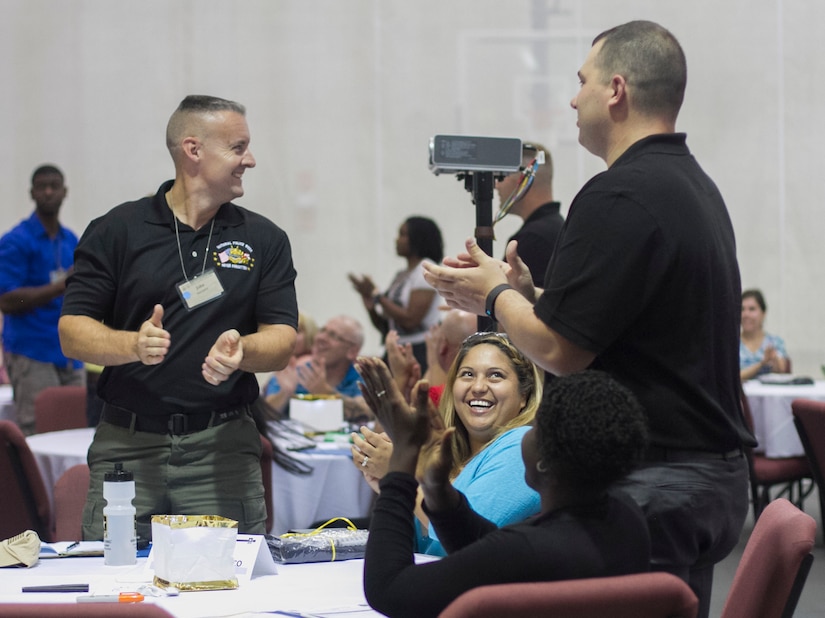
320	545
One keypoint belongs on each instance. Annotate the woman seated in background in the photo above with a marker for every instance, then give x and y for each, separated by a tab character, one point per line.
588	432
410	304
759	352
307	329
490	399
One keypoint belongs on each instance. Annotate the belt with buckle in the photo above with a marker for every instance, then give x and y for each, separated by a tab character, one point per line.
172	424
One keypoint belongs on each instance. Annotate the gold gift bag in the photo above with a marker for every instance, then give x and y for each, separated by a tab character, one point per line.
194	552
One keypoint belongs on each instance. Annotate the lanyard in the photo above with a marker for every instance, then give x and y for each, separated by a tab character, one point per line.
205	253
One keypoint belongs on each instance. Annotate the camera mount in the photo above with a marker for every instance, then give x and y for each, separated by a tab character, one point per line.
478	161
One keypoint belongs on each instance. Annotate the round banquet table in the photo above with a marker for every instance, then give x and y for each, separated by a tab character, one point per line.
770	406
7	410
334	488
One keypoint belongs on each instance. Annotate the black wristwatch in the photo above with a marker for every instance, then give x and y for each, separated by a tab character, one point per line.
490	303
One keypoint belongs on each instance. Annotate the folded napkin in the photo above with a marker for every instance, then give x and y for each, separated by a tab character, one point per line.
20	550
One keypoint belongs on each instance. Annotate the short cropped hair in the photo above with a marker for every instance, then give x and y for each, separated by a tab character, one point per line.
652	62
48	168
591	430
196	105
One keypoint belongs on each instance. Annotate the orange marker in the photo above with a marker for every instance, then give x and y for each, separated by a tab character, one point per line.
123	597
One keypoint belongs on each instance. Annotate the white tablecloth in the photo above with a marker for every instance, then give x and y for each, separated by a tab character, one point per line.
335	487
320	589
7	409
770	406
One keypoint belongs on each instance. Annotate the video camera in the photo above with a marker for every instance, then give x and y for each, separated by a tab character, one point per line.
461	154
478	161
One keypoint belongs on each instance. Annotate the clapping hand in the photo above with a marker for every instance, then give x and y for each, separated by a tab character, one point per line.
363	285
313	375
465	280
403	365
769	360
407	426
288	377
371	453
518	274
421	444
402	422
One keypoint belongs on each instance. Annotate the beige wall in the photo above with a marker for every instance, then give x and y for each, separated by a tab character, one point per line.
343	96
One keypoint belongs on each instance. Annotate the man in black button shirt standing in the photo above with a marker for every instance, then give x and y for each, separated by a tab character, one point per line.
183	297
644	284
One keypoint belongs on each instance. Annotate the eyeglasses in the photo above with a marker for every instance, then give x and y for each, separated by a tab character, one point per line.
335	336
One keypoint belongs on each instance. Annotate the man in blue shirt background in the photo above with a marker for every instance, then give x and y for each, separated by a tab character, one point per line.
36	256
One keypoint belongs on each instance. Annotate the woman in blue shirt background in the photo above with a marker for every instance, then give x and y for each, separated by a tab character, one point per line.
759	352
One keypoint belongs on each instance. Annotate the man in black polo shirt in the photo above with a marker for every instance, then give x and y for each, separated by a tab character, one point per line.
183	296
644	284
537	208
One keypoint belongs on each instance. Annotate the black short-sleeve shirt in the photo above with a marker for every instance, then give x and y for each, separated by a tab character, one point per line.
645	276
129	260
537	239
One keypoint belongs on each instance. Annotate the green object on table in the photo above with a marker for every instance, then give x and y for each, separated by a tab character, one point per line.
337	436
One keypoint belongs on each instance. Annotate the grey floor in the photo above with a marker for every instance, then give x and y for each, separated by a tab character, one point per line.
811	603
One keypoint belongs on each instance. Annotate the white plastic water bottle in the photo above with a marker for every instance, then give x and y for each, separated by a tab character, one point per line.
119	537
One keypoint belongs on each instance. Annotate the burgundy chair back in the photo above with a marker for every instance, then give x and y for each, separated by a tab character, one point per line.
774	565
643	595
809	418
25	503
70	493
789	474
60	407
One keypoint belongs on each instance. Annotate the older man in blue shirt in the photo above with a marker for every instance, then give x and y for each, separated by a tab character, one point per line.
327	370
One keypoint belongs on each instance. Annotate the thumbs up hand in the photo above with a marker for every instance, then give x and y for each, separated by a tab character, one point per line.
224	358
153	342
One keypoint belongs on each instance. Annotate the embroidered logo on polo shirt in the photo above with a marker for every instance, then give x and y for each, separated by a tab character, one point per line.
233	254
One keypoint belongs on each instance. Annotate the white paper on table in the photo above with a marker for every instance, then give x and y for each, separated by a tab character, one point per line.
250	549
68	549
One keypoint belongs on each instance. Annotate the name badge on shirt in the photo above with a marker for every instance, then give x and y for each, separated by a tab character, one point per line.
57	275
203	289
